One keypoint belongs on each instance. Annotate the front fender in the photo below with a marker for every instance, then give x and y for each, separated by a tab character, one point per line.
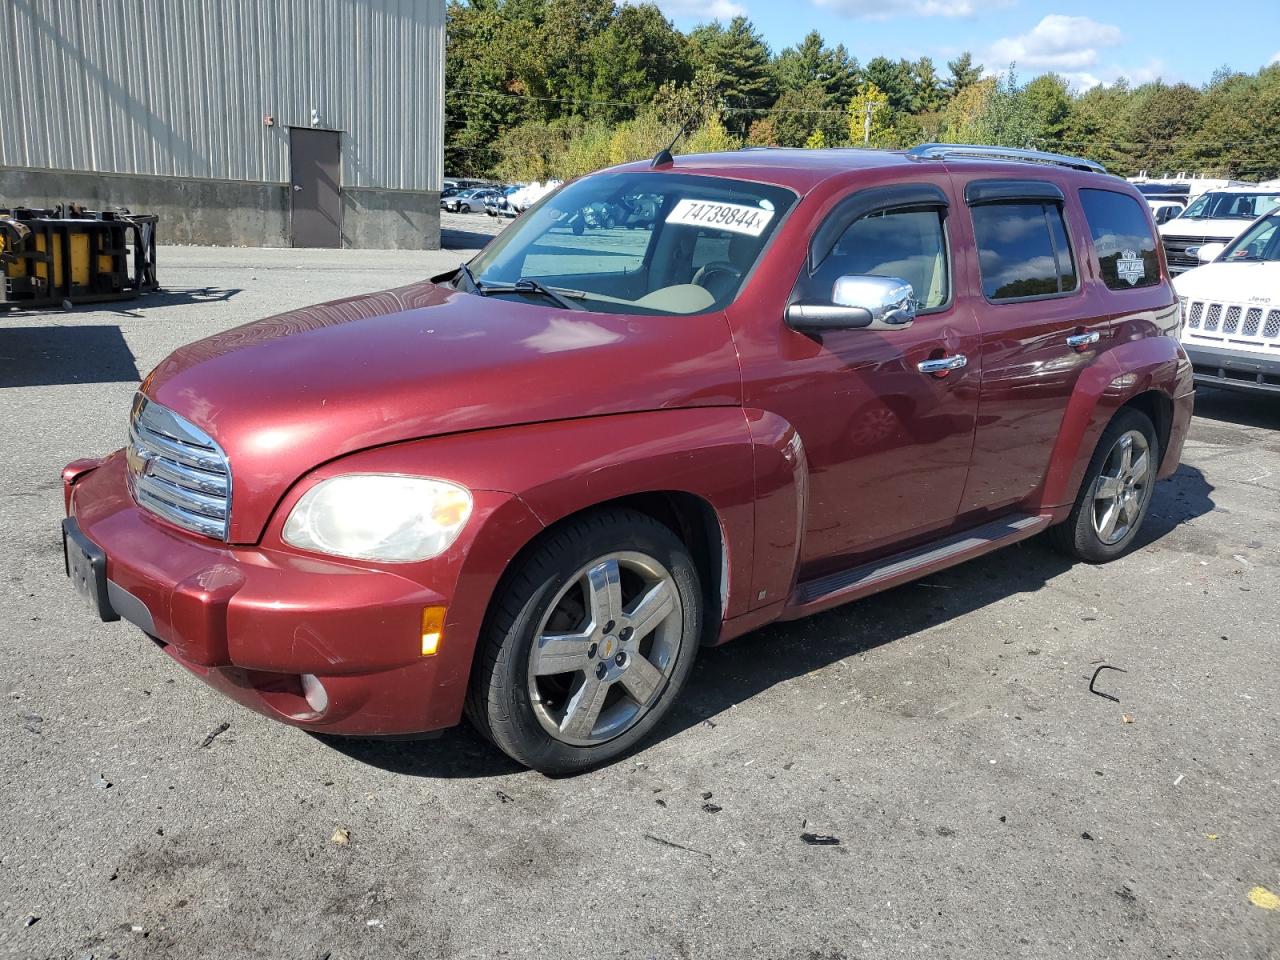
526	478
1122	373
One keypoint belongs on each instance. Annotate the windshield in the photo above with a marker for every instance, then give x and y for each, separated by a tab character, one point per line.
649	243
1231	206
1260	242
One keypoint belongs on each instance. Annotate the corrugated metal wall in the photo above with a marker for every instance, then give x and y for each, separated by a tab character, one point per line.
179	88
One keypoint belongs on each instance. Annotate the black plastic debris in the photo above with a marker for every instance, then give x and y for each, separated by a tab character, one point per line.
217	731
1094	678
820	840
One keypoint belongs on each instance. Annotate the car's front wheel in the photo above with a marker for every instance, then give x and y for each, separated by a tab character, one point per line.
1115	493
589	642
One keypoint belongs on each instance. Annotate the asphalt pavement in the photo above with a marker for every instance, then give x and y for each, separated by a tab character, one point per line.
922	774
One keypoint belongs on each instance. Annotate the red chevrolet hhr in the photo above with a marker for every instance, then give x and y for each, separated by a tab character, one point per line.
528	490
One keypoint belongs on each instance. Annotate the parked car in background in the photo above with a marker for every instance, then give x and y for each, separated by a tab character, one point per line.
530	194
469	201
532	488
1162	211
1218	216
1231	310
499	205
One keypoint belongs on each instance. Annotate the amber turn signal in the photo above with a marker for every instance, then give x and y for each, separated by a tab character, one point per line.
432	630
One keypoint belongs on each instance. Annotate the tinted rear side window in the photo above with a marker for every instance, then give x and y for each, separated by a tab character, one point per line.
1023	250
1125	245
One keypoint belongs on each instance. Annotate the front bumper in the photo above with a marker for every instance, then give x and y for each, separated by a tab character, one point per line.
253	621
1234	369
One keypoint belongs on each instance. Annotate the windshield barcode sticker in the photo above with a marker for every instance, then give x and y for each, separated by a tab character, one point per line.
735	217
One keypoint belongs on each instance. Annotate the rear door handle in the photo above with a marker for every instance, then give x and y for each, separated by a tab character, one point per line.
1079	340
943	365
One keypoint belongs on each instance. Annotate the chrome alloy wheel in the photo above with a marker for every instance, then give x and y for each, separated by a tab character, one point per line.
606	648
1122	487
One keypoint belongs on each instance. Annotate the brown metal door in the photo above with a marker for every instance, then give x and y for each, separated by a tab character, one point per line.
315	162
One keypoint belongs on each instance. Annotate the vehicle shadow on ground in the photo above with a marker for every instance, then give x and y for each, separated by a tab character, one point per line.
45	356
734	673
464	241
1238	407
164	297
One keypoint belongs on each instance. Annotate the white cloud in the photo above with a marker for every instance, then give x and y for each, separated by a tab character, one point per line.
701	9
1057	42
887	9
1276	58
1156	69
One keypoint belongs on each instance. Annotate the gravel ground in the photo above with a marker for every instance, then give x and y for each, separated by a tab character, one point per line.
986	804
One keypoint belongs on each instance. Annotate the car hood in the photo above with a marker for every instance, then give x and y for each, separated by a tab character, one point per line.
1252	284
285	394
1223	230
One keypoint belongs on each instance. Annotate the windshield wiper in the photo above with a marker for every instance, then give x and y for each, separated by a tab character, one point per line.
527	285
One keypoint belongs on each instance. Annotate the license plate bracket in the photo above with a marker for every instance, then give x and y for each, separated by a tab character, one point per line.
86	566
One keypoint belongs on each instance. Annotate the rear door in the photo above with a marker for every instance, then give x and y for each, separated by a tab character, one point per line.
1041	324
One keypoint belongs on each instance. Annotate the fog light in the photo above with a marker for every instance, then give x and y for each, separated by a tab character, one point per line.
315	693
432	630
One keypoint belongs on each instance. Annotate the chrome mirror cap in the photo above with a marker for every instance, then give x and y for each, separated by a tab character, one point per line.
858	302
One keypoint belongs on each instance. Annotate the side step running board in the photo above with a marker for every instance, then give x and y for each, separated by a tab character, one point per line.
845	585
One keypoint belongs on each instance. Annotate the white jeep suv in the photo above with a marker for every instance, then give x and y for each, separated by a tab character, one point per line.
1231	312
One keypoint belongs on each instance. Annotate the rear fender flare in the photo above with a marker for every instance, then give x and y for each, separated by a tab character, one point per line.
1121	373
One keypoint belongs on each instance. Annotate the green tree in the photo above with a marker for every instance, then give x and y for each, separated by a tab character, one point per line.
736	62
816	141
894	79
929	93
1048	101
798	112
963	73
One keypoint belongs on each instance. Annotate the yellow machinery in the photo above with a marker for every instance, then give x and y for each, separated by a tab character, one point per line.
72	255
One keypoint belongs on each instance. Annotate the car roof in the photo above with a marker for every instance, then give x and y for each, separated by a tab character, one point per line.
803	169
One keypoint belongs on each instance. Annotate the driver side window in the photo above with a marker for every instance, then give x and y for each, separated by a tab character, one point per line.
909	244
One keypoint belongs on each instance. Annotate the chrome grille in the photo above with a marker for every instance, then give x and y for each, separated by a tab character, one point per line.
177	471
1251	322
1215	312
1233	320
1197	311
1273	324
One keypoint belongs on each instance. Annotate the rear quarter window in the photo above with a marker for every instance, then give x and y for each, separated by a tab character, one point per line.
1122	238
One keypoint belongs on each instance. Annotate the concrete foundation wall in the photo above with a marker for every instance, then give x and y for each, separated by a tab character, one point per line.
231	213
390	219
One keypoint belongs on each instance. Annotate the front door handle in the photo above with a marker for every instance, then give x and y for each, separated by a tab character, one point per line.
943	365
1078	341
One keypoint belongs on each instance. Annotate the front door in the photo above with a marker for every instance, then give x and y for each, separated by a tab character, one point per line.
315	163
887	444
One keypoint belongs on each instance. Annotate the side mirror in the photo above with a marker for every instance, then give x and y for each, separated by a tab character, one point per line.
1208	252
876	303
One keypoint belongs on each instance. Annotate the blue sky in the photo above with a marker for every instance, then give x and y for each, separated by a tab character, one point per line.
1088	41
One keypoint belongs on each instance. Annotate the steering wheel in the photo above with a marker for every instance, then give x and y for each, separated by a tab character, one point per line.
714	268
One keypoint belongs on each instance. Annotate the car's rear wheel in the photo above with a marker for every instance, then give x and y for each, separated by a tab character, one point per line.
1115	493
589	642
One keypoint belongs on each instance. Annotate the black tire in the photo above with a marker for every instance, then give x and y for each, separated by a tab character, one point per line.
500	702
1078	536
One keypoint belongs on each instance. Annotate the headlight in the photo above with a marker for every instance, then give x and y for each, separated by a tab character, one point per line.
375	516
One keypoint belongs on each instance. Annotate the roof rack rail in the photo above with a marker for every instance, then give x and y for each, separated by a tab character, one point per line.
944	151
